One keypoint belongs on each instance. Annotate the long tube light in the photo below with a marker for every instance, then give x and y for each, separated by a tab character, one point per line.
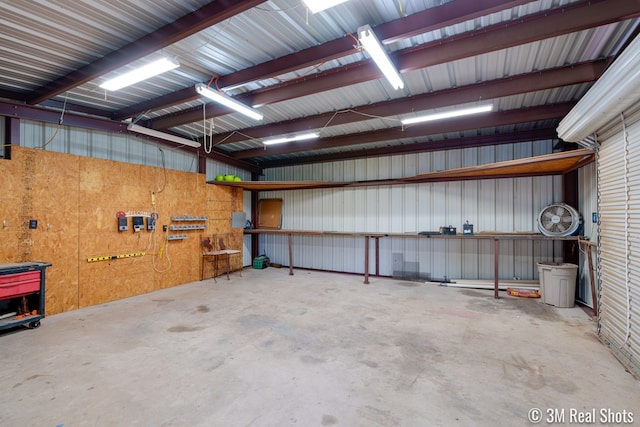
161	135
227	101
447	115
147	71
301	137
316	6
373	46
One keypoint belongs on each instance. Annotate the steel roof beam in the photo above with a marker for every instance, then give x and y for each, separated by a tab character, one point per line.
428	20
575	17
499	118
586	72
418	23
192	23
420	147
564	20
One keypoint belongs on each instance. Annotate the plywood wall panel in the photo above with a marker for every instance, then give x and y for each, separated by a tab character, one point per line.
37	191
55	201
10	228
75	200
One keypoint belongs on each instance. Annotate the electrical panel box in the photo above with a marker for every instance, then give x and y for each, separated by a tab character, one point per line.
123	224
138	223
151	222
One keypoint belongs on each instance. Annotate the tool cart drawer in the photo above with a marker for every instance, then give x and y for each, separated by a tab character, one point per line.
19	284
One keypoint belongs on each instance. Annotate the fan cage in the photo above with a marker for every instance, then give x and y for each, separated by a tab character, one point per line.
559	220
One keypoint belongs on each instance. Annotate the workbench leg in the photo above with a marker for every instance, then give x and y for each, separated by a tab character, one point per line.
290	256
496	267
366	260
377	256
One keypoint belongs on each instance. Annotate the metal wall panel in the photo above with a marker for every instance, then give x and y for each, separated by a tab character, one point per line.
587	182
506	205
104	145
618	253
632	288
215	168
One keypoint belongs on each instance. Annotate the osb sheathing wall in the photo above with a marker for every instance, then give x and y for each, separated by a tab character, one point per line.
75	200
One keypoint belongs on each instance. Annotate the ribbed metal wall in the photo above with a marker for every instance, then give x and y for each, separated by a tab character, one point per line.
104	145
618	252
587	182
118	147
499	205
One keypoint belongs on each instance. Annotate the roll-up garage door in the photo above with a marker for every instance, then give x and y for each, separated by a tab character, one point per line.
619	244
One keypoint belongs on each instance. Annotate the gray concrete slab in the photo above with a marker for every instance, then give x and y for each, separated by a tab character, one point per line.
313	349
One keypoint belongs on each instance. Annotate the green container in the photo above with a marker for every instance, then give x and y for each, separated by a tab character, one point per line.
261	262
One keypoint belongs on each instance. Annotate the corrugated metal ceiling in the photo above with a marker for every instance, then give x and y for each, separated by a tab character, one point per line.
45	41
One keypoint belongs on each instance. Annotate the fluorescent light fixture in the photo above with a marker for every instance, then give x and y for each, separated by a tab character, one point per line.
372	45
447	115
316	6
161	135
301	137
147	71
227	101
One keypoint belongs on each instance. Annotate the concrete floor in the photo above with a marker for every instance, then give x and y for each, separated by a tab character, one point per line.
313	349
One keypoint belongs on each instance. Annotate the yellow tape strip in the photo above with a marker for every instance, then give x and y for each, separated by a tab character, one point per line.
110	257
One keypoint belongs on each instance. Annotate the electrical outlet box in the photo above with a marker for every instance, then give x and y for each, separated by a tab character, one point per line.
138	223
594	218
33	224
164	228
151	222
123	224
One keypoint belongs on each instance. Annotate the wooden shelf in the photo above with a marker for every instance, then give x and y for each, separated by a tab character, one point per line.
548	164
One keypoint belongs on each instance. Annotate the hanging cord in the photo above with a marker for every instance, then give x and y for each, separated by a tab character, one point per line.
164	170
64	107
207	142
164	251
349	110
626	229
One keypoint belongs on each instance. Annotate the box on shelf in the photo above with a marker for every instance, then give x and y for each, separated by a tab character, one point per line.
448	231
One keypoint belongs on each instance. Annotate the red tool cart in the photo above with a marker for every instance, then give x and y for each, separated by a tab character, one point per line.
22	294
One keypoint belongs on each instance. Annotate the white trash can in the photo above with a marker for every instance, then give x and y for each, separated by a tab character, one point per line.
558	283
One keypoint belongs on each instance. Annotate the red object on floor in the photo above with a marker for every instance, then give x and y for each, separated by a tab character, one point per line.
525	293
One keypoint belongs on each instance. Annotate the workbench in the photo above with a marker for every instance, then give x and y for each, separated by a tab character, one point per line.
495	237
22	288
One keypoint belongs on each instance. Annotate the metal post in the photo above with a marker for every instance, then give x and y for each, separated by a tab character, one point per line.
366	260
290	256
496	267
377	255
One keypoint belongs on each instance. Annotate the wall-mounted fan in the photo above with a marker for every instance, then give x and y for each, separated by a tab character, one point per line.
559	220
